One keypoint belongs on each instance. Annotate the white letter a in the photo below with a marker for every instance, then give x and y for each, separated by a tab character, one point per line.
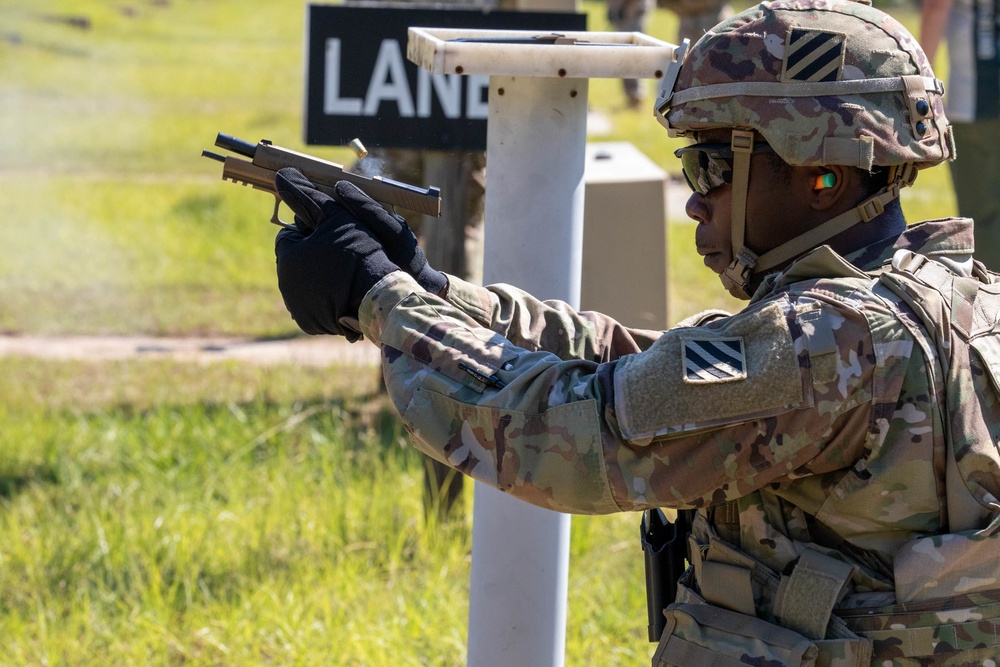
389	81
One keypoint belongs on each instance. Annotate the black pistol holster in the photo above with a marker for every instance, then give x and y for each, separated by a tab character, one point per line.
664	545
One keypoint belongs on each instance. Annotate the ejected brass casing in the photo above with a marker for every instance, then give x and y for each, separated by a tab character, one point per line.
358	148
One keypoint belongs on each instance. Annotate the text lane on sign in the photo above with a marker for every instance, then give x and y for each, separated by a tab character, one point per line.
388	83
359	82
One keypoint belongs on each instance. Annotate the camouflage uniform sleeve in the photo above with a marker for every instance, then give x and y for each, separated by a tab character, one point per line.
547	325
664	427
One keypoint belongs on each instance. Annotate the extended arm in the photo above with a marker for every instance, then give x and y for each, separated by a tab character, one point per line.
933	20
525	321
650	429
552	326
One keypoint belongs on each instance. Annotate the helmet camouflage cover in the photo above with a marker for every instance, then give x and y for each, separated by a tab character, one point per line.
824	81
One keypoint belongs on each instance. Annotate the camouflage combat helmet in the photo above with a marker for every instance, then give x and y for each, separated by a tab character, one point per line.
825	82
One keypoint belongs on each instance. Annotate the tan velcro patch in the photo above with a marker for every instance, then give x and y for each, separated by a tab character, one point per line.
654	397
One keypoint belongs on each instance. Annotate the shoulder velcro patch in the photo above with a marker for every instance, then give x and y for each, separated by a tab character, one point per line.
703	377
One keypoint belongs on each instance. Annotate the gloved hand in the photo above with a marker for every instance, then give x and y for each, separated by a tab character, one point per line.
327	265
392	231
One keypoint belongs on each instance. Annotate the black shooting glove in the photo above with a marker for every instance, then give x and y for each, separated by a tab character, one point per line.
392	231
326	265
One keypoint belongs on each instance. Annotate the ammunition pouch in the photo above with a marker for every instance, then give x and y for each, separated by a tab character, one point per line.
732	610
698	633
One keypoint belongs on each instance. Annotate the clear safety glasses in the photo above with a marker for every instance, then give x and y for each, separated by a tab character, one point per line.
707	166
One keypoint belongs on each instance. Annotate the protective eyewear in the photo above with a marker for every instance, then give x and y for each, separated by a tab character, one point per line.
707	166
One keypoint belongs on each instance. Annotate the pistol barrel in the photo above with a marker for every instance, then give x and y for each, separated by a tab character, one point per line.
213	156
231	143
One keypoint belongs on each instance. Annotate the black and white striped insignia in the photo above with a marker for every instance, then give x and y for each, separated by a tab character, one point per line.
714	360
813	55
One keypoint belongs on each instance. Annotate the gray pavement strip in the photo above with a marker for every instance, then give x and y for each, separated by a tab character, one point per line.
312	351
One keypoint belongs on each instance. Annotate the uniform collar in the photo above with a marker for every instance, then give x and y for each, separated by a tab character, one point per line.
949	240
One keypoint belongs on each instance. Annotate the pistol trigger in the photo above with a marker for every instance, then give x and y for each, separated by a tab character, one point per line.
276	219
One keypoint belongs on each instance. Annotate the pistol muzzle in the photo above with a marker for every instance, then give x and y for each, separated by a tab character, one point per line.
231	143
213	156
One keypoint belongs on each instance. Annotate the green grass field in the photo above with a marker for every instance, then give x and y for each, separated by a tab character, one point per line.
169	514
164	514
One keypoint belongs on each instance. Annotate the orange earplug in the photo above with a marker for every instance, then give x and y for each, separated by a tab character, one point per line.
827	180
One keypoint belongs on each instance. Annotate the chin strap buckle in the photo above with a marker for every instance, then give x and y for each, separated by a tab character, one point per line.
737	275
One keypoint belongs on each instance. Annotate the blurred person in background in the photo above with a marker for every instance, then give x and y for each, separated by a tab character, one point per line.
631	16
695	18
971	29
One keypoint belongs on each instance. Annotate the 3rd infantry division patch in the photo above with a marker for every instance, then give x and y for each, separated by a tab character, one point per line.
712	360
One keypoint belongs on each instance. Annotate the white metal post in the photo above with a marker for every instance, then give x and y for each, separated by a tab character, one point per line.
536	146
536	141
536	137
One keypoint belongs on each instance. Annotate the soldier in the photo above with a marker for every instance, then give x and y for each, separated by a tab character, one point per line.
631	16
837	436
972	33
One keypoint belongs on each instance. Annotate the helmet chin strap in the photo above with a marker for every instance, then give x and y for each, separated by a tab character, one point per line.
737	276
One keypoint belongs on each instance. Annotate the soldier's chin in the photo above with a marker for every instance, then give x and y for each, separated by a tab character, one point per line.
716	261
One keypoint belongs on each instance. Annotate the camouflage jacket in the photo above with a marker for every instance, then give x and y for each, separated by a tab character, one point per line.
809	414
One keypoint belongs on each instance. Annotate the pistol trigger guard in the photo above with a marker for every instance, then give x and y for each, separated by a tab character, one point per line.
276	219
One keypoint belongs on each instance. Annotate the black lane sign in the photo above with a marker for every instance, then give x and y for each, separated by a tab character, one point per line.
360	84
